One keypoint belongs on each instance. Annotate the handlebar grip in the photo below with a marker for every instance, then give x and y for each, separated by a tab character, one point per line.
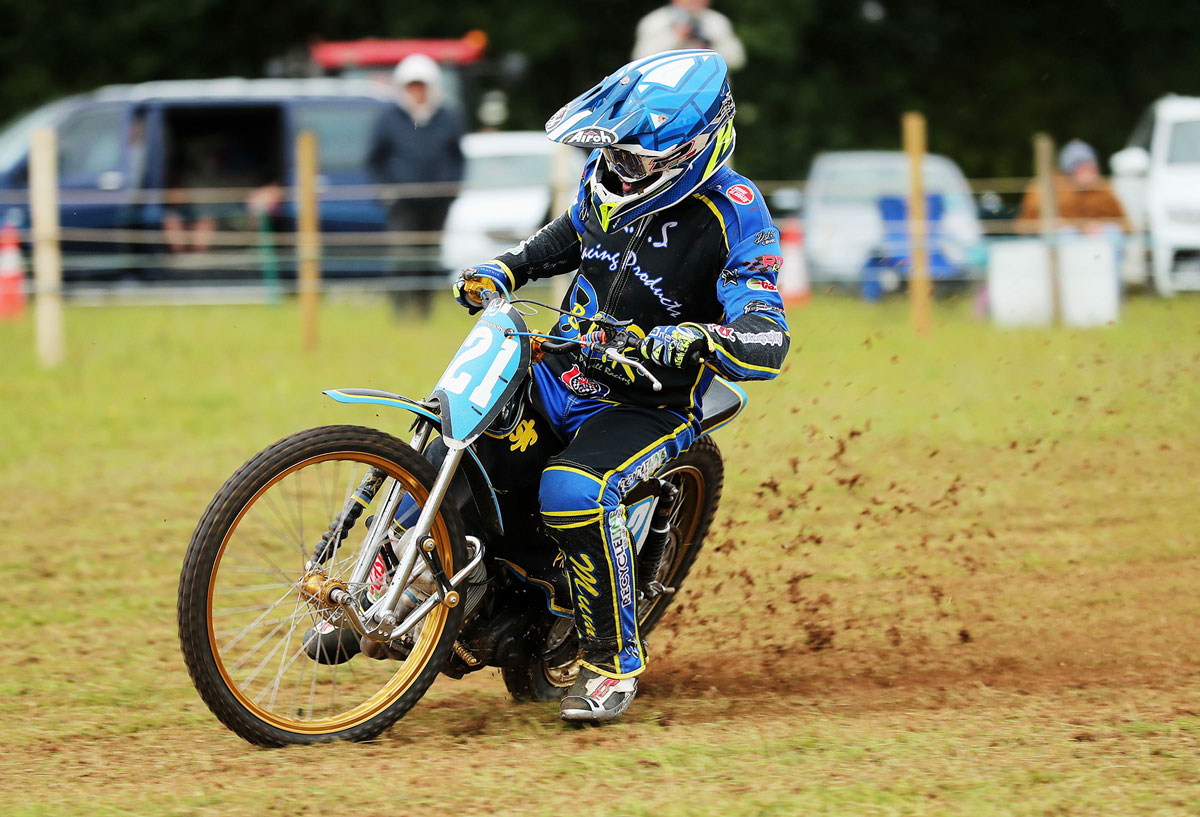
694	358
475	287
554	346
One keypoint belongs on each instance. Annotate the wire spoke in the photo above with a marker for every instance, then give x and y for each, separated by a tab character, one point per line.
286	646
251	652
294	531
272	532
240	634
255	624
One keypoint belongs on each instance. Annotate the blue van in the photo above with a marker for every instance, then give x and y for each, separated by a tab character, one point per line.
130	154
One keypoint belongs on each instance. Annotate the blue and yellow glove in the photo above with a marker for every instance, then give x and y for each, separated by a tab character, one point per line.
472	281
671	345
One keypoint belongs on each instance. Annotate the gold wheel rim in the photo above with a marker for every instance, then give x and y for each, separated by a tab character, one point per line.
407	671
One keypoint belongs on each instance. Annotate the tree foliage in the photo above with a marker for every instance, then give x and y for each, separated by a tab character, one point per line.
822	74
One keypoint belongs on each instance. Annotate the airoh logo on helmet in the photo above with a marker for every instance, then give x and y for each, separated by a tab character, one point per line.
590	137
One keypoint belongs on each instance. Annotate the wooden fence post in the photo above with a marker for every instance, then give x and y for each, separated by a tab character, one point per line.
919	287
308	244
1043	167
47	255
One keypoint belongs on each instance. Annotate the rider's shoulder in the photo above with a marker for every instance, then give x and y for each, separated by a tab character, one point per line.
738	202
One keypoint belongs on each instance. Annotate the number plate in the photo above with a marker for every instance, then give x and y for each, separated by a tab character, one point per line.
488	369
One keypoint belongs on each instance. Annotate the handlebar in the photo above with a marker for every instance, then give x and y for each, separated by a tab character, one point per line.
622	339
622	342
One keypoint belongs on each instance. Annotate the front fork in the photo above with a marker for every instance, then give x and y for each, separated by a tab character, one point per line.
379	621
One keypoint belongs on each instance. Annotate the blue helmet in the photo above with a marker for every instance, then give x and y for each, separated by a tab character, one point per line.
662	125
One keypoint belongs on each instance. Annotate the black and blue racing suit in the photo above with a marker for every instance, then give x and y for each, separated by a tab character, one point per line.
710	262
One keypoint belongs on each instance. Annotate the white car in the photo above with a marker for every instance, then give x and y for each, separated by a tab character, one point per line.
843	222
512	182
1157	180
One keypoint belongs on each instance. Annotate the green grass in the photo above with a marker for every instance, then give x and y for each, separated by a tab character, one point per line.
984	604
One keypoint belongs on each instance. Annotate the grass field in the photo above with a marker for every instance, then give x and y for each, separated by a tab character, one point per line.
951	576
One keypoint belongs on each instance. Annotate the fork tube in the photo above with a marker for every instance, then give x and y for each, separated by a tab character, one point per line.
370	549
422	434
415	534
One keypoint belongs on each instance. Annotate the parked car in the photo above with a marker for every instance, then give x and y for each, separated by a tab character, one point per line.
508	193
854	210
130	154
1157	180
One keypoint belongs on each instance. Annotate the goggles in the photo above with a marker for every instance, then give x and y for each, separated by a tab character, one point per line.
633	166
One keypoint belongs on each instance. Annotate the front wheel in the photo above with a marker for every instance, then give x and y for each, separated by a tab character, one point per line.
699	474
246	622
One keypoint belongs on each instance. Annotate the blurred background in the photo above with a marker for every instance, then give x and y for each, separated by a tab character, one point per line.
176	129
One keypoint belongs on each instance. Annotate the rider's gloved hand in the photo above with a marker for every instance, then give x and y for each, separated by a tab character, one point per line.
670	345
473	280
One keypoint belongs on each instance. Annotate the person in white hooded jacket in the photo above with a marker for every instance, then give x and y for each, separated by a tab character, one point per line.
418	142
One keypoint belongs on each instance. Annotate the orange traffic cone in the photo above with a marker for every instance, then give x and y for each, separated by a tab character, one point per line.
12	274
793	277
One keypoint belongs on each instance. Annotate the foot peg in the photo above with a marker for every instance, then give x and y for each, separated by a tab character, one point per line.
656	588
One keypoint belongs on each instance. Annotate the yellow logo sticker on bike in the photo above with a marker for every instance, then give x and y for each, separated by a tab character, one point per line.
523	436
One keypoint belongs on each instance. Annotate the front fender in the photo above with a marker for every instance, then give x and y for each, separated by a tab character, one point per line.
478	479
384	398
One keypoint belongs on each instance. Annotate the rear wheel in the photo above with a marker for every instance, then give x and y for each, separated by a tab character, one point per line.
246	599
699	474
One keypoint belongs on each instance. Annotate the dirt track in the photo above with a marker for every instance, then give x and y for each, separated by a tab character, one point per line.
967	585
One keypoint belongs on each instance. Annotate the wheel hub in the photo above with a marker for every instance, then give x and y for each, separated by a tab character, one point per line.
317	589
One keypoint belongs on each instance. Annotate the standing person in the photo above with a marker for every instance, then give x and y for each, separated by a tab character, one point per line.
418	142
1084	199
688	24
664	234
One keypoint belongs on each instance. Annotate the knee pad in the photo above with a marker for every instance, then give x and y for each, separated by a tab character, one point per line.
570	496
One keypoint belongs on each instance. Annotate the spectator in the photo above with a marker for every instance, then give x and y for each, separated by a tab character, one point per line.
688	24
190	217
417	142
1085	200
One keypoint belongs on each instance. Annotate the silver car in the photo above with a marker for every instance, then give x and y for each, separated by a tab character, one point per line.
516	181
844	224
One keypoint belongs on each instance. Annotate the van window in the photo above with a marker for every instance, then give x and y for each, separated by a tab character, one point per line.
854	183
343	133
1185	143
89	143
14	139
229	145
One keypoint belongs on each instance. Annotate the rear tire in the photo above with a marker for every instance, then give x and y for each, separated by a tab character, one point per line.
242	573
699	473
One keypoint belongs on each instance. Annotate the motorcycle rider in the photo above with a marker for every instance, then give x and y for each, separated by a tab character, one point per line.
664	233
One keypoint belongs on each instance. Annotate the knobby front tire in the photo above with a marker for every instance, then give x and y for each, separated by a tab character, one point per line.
242	619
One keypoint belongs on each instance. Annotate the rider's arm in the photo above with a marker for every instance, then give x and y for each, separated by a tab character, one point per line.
552	250
752	340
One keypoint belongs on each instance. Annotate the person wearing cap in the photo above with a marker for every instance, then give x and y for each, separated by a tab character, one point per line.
688	24
418	143
1085	200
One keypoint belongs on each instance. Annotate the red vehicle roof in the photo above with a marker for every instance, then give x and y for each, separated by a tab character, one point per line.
373	52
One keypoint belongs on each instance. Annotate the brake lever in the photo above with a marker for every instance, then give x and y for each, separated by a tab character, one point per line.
614	355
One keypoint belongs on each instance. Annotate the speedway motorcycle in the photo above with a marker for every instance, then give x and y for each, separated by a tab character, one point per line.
330	581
